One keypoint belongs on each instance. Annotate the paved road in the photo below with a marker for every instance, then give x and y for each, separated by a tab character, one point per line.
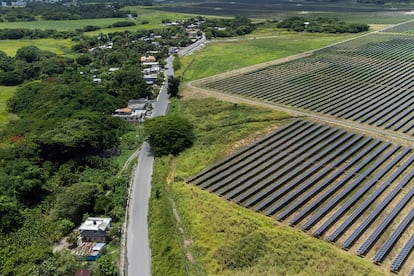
193	47
138	248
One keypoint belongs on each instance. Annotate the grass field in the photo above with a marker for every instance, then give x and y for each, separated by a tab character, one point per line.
58	46
61	25
224	56
6	92
217	237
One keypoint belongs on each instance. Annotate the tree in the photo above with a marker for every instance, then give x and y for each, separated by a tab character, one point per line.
173	86
76	200
10	217
83	60
169	134
28	54
106	267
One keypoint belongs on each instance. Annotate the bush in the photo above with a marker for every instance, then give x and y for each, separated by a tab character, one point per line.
123	24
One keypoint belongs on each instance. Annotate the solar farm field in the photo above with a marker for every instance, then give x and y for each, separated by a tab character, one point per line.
343	187
368	80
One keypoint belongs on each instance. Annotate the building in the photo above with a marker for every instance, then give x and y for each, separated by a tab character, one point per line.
94	229
130	115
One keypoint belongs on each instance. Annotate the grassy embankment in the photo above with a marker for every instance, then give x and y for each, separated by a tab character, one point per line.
217	237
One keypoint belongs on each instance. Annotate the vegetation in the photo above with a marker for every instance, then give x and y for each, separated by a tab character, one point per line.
5	94
212	120
168	134
58	11
321	25
214	28
173	86
60	47
219	57
217	233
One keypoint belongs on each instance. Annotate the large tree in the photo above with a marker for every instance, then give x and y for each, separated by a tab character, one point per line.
169	134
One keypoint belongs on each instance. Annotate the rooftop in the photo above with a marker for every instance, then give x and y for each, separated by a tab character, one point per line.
95	224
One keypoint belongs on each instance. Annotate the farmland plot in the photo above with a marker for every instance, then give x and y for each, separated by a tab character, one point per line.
346	188
368	80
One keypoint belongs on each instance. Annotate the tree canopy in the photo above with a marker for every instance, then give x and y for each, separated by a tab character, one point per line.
169	134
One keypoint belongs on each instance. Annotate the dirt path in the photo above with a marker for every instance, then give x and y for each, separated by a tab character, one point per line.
185	241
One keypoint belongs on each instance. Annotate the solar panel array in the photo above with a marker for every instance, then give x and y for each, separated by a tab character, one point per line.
368	80
343	187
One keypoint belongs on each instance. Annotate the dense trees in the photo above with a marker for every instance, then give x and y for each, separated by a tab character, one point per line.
58	11
169	134
321	25
227	27
173	86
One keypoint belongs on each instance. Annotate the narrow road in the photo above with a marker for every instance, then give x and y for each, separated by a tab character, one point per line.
138	255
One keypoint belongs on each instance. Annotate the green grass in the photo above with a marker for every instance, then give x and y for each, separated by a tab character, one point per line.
214	121
58	46
217	224
219	57
218	229
6	92
61	25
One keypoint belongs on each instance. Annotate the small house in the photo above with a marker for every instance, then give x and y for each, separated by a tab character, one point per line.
94	229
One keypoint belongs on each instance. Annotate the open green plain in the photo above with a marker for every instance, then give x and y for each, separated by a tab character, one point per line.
215	236
61	25
6	92
221	56
57	46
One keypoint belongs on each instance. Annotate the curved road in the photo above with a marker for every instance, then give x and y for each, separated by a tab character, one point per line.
138	255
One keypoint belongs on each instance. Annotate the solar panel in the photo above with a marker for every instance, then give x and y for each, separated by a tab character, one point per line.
392	239
402	255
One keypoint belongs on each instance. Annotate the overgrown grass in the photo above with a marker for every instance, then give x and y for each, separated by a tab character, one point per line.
220	230
219	57
6	92
216	224
58	46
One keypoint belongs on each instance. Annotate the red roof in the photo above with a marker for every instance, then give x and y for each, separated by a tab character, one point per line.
83	272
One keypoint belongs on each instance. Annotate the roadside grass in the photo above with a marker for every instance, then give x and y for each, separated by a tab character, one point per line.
6	92
219	125
58	46
221	56
224	238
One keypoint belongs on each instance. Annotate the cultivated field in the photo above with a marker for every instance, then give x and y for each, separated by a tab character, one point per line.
366	80
344	187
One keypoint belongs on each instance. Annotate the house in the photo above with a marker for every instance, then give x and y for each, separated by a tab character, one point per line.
89	251
150	79
130	115
138	104
113	69
148	59
94	229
